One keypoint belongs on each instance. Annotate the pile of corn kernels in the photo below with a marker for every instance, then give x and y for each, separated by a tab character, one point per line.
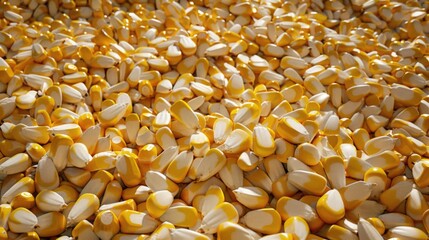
214	119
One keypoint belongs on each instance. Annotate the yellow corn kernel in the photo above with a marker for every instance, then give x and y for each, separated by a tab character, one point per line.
308	181
15	184
3	234
106	225
95	95
425	219
274	168
159	64
86	120
10	147
138	194
187	46
18	163
349	108
178	168
378	144
288	207
63	113
50	224
70	94
403	232
50	201
281	187
283	236
102	161
158	181
26	100
238	141
263	142
101	61
136	222
78	155
89	138
367	230
128	170
377	224
335	171
112	114
260	179
405	95
112	193
308	154
181	233
293	93
165	138
251	197
35	151
6	72
284	149
235	86
297	226
199	202
313	85
22	220
118	207
271	225
23	199
61	144
68	193
163	98
247	114
330	206
42	118
229	230
391	220
410	127
384	160
181	216
417	145
222	128
163	230
158	203
355	193
200	143
147	153
357	167
45	102
221	213
210	165
247	161
420	170
161	162
86	205
293	62
292	130
46	175
337	232
84	229
17	132
393	196
162	119
5	210
29	235
98	183
210	200
313	237
7	129
378	177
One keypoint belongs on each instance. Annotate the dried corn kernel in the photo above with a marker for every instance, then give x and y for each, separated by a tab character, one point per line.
205	115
